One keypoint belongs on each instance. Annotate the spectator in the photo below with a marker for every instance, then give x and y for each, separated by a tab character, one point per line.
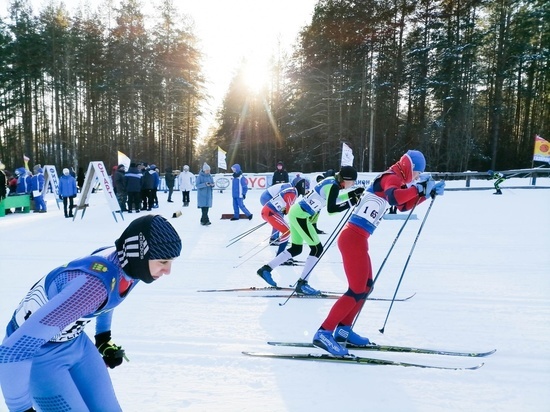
37	187
23	181
67	191
80	178
239	189
3	182
119	184
280	175
132	179
186	181
169	179
155	172
205	185
147	188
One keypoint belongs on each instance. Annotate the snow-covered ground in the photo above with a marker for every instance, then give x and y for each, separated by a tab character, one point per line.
480	271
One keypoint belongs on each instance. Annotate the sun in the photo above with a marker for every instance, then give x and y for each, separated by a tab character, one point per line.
255	74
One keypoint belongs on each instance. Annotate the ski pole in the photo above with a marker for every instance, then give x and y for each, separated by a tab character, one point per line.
247	232
246	253
251	256
244	234
394	242
407	262
327	244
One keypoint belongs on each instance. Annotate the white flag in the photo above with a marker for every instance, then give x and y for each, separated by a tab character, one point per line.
347	155
124	160
221	159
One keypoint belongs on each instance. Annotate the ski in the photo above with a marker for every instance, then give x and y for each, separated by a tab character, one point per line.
353	359
327	295
391	348
249	289
294	263
323	295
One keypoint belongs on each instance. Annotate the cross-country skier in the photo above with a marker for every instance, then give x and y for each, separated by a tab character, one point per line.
276	201
301	217
47	362
499	178
394	187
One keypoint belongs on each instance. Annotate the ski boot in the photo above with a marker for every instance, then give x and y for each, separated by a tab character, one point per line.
303	288
323	339
265	273
346	334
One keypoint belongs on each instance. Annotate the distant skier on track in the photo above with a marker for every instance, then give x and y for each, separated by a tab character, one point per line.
499	178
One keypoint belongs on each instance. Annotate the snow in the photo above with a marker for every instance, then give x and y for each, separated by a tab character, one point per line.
479	271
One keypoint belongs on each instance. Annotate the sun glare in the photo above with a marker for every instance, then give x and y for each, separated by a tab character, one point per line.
256	74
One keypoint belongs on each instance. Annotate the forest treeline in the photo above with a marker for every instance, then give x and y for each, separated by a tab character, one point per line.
466	82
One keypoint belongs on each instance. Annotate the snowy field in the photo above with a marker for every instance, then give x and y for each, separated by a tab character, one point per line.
480	271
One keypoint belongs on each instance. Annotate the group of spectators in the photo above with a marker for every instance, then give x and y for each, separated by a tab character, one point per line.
22	182
136	188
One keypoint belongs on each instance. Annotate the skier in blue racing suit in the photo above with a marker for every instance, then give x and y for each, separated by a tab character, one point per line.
46	361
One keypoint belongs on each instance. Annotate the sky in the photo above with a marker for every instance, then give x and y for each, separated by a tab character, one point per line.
229	30
479	271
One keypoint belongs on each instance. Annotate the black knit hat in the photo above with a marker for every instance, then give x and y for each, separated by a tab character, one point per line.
348	173
300	186
147	238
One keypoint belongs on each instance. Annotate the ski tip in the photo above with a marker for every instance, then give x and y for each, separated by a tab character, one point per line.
481	355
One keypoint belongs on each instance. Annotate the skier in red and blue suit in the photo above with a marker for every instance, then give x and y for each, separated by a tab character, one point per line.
276	201
46	361
395	187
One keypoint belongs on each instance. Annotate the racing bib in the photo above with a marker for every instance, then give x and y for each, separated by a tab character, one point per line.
371	208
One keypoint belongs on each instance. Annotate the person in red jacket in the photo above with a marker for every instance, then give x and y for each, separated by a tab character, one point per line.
403	185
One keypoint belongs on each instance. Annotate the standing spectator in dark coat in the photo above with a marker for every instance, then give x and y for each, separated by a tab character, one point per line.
156	175
205	185
147	186
280	175
169	179
80	177
67	191
3	182
119	184
132	179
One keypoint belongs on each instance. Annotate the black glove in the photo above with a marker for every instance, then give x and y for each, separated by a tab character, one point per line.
358	191
244	197
60	197
112	354
353	199
355	195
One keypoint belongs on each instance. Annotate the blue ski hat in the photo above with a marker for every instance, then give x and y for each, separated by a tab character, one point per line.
418	160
